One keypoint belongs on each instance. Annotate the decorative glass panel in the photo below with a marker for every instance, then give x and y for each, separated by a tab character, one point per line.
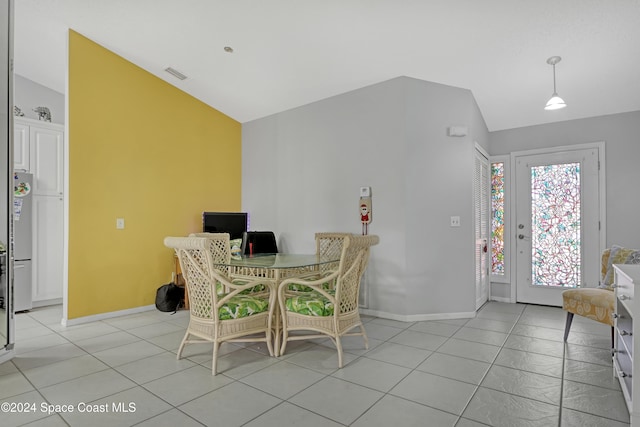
555	225
497	218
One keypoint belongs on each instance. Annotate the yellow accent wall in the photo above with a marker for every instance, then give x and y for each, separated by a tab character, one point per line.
142	150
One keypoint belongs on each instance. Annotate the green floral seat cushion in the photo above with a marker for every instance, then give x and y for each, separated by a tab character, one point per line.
310	304
219	288
298	287
255	289
242	306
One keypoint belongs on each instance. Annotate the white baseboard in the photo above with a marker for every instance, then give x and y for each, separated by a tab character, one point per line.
104	316
501	299
418	317
6	356
46	302
365	311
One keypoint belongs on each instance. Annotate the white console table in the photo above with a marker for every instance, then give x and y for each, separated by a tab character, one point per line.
625	346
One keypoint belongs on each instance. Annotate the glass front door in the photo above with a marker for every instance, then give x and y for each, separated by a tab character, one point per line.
557	224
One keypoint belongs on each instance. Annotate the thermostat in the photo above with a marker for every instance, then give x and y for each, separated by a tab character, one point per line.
365	191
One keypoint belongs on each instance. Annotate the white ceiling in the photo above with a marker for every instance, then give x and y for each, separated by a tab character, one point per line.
289	53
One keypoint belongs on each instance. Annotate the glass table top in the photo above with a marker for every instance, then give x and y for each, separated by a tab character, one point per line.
277	261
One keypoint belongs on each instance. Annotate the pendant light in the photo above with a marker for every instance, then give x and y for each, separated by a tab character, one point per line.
555	103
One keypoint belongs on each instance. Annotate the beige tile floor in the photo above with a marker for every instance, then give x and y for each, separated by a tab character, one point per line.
506	367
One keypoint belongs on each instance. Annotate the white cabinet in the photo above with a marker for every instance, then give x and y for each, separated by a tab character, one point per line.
46	157
47	250
21	146
39	150
626	347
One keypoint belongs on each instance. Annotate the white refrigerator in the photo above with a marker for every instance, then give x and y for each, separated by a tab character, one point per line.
22	241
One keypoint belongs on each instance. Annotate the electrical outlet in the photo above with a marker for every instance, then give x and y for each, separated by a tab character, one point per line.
120	223
455	221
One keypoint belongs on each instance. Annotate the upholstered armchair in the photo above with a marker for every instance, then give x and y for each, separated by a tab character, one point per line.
598	303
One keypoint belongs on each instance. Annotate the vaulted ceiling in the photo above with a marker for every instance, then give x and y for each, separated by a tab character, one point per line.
288	53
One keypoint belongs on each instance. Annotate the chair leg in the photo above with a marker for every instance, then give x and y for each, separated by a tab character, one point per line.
284	333
269	342
214	362
364	336
339	347
184	341
568	325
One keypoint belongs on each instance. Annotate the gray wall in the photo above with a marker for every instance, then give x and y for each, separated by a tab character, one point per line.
621	134
302	170
28	95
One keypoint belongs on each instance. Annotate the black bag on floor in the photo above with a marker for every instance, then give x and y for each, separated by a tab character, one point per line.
169	297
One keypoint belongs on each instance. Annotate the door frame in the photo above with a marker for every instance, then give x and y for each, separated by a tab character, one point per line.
477	192
602	202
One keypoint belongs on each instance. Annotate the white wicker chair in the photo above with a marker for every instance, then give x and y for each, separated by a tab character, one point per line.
331	307
222	254
220	309
329	246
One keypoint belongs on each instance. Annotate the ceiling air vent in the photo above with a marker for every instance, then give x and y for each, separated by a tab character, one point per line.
175	73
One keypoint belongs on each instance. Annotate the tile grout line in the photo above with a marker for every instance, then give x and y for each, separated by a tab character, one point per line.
564	356
522	315
492	362
458	327
108	367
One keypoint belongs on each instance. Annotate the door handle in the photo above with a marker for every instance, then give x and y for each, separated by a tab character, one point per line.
17	266
522	236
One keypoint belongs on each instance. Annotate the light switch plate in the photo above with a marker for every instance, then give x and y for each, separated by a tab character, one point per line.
455	221
120	223
365	191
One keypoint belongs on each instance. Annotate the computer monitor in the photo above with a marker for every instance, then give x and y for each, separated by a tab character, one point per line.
234	223
259	242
